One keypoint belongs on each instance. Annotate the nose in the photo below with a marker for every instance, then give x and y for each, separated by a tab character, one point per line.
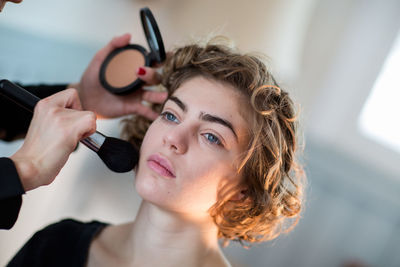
177	139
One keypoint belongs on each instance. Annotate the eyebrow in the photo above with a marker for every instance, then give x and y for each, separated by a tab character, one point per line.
204	116
178	102
212	118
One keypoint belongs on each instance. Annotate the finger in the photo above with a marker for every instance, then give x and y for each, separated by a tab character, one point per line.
154	97
84	123
72	99
146	112
120	41
149	75
66	99
116	42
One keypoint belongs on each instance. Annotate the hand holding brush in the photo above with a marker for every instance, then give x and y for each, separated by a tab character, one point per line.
59	109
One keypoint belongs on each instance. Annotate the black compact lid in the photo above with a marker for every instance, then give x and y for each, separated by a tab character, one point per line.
153	35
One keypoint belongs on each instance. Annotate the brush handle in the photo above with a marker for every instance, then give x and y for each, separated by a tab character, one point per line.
28	101
18	95
95	141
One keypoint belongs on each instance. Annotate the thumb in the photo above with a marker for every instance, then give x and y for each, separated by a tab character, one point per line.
117	42
120	41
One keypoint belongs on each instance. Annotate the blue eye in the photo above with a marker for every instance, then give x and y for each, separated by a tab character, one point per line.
212	139
169	116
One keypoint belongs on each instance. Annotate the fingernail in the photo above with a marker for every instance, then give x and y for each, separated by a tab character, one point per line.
141	71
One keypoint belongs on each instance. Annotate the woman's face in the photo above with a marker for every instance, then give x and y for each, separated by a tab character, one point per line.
193	146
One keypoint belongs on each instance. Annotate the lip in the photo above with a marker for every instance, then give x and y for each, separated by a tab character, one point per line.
161	165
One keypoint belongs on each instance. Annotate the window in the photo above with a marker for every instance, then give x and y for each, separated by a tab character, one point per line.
380	117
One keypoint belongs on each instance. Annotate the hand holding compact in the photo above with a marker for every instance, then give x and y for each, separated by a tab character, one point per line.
57	126
118	70
96	98
112	84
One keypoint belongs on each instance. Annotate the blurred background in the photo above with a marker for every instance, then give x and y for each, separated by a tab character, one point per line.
336	58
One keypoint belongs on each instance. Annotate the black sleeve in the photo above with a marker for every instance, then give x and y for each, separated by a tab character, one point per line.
46	247
10	193
14	120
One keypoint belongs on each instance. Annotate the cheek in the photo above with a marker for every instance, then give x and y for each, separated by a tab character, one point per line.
206	178
149	141
150	137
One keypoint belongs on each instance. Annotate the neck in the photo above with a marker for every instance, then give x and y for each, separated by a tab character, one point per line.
160	235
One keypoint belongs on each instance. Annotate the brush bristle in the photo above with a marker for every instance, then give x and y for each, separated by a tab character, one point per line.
118	155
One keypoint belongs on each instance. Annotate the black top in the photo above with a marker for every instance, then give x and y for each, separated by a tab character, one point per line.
14	123
10	193
65	243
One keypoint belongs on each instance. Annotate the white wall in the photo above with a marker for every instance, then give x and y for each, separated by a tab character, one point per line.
257	25
342	75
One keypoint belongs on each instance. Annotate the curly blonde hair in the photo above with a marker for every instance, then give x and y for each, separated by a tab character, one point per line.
272	200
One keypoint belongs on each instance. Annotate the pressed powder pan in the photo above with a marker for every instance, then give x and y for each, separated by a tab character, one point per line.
122	65
118	71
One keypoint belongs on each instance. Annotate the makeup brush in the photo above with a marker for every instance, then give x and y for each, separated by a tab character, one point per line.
117	154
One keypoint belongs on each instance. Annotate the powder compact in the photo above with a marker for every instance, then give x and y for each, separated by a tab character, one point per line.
118	71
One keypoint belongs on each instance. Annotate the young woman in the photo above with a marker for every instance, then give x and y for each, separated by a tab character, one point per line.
217	164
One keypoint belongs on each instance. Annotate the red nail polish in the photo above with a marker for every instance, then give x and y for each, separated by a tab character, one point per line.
141	71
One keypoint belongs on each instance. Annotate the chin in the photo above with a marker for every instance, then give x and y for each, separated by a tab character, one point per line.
149	189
